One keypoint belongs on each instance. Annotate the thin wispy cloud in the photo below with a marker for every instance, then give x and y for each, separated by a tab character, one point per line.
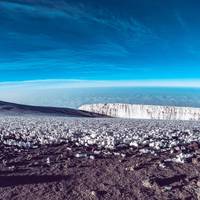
97	40
76	83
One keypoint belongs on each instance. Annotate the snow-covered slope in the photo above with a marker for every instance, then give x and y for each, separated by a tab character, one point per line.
144	111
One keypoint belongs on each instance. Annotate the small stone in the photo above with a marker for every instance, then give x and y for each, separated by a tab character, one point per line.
123	155
134	144
29	157
146	184
81	155
162	165
97	152
92	157
167	188
48	161
131	169
198	184
93	193
11	167
195	161
4	162
177	149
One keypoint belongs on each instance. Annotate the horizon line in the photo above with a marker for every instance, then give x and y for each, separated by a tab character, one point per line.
84	83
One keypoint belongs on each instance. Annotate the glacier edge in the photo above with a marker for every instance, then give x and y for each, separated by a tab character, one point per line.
137	111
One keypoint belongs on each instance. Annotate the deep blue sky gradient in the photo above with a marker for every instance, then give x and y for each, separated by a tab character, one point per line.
99	39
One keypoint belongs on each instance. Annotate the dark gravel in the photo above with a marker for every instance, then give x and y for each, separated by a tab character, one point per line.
53	172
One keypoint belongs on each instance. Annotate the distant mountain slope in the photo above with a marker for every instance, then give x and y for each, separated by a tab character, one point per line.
16	109
144	111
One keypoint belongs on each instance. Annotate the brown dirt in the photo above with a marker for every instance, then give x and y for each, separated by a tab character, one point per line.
28	174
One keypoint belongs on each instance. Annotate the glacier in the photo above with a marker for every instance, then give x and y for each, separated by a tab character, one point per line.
136	111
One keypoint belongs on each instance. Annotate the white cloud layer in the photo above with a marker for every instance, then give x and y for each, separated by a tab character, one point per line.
74	83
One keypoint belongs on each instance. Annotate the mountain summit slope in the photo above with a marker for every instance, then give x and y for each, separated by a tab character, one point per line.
18	109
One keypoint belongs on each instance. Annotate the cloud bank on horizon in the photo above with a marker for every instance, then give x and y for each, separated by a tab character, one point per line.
67	84
99	40
74	93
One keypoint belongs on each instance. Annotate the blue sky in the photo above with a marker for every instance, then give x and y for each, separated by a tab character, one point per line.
99	40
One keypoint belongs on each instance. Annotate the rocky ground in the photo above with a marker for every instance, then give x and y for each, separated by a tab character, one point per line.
80	158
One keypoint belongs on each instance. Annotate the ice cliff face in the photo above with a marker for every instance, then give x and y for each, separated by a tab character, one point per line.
144	111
